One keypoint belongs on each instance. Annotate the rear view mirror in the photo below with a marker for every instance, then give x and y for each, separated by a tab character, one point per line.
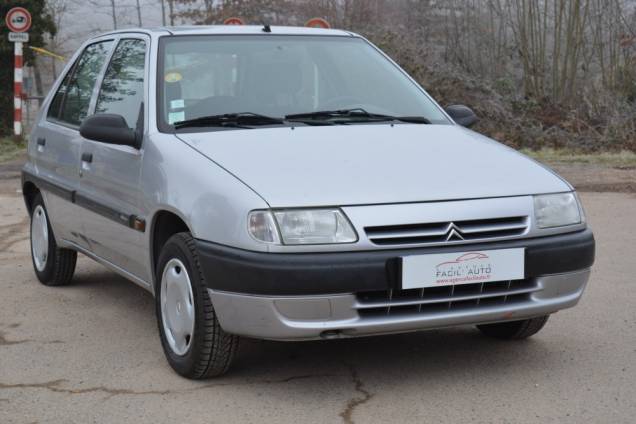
109	128
463	115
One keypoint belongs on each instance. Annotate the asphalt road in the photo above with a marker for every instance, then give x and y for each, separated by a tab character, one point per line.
90	353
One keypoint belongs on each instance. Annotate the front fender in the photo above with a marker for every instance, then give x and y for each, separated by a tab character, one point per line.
213	203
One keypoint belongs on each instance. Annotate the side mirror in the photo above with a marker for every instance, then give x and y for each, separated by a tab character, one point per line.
463	115
109	128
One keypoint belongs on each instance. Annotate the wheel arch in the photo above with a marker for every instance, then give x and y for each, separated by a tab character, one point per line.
165	224
29	191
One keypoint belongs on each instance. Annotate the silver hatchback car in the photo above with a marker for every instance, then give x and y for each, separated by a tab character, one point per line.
291	184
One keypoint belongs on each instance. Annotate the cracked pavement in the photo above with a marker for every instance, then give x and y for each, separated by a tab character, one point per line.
90	353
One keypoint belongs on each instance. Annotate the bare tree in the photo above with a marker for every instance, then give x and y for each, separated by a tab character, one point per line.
138	7
171	11
536	70
163	12
114	13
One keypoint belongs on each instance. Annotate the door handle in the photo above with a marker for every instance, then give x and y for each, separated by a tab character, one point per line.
87	157
41	141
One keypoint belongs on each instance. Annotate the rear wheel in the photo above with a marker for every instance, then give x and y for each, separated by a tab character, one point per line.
53	265
192	338
514	330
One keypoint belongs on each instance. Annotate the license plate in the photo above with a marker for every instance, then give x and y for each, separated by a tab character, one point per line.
446	269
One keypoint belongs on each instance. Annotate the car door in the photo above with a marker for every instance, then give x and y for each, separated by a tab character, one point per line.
109	174
58	143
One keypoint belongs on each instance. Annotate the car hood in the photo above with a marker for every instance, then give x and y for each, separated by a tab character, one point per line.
371	164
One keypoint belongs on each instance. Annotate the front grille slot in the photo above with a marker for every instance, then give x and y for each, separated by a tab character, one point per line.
448	232
445	298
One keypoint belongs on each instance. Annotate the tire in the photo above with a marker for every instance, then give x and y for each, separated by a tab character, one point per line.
193	341
514	330
53	265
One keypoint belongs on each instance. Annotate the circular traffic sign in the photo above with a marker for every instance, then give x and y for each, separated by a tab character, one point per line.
233	21
317	23
18	19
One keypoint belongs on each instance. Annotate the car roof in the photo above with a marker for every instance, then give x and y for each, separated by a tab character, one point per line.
232	29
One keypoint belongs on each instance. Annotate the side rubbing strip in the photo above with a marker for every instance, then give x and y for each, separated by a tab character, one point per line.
102	209
130	221
57	189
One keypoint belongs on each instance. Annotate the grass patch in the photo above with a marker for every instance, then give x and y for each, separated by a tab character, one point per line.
624	158
11	148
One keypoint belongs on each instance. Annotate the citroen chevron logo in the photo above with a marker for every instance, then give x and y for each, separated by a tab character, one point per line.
453	233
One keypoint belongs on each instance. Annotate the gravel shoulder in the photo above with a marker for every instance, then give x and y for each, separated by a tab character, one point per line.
589	177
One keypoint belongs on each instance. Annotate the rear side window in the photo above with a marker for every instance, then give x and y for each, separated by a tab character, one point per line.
56	104
72	99
122	90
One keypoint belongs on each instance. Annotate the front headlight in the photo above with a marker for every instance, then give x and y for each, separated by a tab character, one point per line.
556	210
309	226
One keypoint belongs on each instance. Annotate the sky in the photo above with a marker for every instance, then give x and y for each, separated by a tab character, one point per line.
84	18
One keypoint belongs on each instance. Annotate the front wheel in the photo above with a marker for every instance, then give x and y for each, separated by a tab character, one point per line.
514	330
193	341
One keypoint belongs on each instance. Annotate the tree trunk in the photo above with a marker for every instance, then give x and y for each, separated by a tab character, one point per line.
171	11
39	91
112	6
139	14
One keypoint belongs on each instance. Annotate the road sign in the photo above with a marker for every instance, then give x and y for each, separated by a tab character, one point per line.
19	37
317	23
233	21
18	19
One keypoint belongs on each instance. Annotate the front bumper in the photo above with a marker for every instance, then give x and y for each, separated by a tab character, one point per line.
308	296
315	317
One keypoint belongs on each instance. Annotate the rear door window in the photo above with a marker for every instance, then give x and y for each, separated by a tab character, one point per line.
122	91
72	99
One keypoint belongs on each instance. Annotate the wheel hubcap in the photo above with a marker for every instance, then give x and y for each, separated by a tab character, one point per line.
39	238
177	306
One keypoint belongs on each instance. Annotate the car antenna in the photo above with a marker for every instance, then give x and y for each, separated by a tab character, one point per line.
266	27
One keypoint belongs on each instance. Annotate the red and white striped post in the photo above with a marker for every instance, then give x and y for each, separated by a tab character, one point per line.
18	21
17	90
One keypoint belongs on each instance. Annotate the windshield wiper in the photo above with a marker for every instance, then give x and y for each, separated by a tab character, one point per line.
412	119
234	120
332	114
354	115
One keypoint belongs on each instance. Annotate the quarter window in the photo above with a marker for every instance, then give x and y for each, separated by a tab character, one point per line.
123	86
72	99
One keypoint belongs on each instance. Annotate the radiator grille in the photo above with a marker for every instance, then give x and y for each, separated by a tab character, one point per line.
448	232
447	298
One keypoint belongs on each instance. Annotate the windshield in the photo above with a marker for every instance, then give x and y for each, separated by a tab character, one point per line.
277	76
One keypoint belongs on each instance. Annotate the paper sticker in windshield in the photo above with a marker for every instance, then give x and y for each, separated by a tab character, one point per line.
176	117
177	104
173	77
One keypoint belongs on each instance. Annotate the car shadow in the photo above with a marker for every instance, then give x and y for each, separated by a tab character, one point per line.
442	354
